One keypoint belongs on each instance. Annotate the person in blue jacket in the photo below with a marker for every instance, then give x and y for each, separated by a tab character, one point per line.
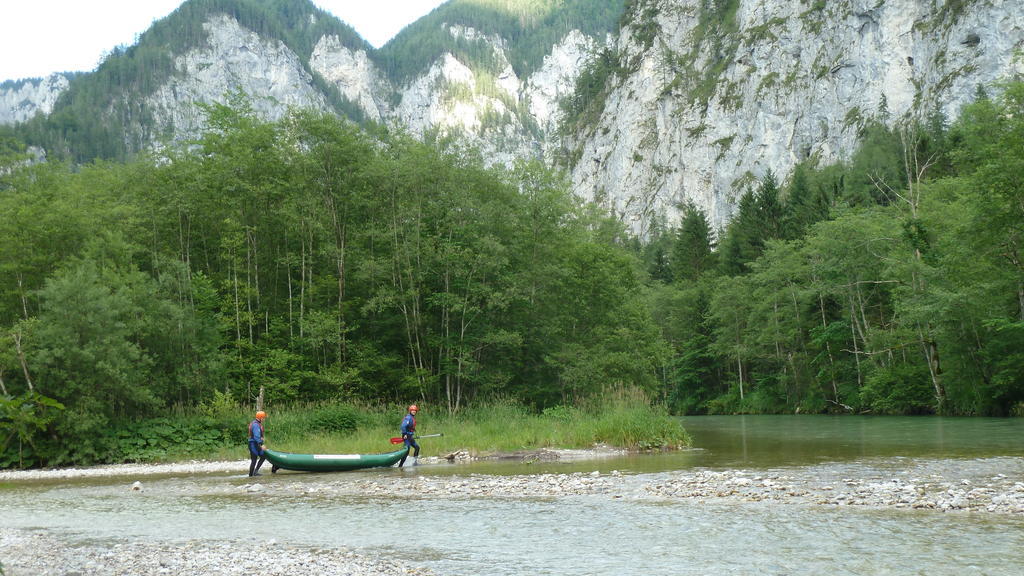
256	453
409	436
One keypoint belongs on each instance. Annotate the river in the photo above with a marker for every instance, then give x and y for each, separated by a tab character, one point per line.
449	520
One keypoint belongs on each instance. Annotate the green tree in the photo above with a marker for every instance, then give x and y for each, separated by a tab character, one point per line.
693	248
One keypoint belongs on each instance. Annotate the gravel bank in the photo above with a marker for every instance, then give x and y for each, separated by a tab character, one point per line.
946	490
217	467
992	486
131	470
25	553
984	486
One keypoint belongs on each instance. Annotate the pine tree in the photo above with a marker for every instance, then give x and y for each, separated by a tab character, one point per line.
692	251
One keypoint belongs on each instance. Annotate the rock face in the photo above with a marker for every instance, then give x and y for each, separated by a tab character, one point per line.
799	79
708	103
352	73
503	115
20	101
235	59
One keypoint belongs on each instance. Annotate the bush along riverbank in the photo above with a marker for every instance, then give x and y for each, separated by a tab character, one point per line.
218	431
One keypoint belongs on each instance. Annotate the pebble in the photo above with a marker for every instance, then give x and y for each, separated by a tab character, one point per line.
941	486
21	557
947	492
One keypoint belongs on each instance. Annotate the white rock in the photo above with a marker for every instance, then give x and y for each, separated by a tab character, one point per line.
20	101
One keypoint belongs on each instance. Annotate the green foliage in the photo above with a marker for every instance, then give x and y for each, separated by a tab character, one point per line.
324	267
22	418
327	419
583	106
900	389
870	286
308	261
693	249
634	423
530	28
760	218
715	41
619	417
105	114
13	151
220	406
335	419
161	439
642	17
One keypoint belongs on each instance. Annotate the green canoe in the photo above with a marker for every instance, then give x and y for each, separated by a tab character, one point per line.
332	462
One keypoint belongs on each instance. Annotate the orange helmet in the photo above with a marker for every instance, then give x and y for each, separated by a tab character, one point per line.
414	408
261	415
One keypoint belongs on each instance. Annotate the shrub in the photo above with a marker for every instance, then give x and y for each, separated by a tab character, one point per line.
335	418
899	389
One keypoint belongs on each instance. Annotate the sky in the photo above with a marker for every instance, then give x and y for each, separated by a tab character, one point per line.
39	37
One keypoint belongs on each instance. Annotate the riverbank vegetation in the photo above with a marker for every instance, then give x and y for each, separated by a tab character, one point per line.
891	284
217	431
323	264
312	261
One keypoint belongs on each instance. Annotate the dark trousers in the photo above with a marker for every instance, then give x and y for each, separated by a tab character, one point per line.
256	457
410	442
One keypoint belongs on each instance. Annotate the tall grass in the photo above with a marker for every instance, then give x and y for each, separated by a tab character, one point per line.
619	418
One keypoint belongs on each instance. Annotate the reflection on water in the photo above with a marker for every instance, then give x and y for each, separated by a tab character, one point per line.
796	440
595	535
773	441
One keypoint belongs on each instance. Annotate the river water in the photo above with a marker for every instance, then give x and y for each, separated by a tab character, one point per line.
595	534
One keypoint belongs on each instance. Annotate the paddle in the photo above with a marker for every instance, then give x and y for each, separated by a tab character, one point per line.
399	440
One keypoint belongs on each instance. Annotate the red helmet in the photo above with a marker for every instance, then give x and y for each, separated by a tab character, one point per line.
261	415
414	408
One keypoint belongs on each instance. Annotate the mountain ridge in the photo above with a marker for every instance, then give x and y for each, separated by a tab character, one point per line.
669	102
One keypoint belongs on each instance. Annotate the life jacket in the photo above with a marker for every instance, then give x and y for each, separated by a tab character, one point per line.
411	428
257	423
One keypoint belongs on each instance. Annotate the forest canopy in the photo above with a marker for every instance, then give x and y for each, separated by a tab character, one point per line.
318	262
308	259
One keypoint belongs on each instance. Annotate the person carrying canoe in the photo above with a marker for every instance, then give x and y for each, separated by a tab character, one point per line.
256	453
409	436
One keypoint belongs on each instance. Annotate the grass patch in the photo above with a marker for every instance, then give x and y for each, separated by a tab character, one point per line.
218	431
623	419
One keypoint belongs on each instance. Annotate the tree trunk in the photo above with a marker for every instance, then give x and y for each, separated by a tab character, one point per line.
340	241
24	298
828	348
853	337
21	358
1020	301
931	355
739	368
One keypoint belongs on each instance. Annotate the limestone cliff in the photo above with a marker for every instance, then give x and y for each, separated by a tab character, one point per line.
23	99
706	98
706	109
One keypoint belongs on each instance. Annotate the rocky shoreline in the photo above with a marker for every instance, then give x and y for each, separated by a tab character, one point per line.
34	553
994	486
228	466
980	486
